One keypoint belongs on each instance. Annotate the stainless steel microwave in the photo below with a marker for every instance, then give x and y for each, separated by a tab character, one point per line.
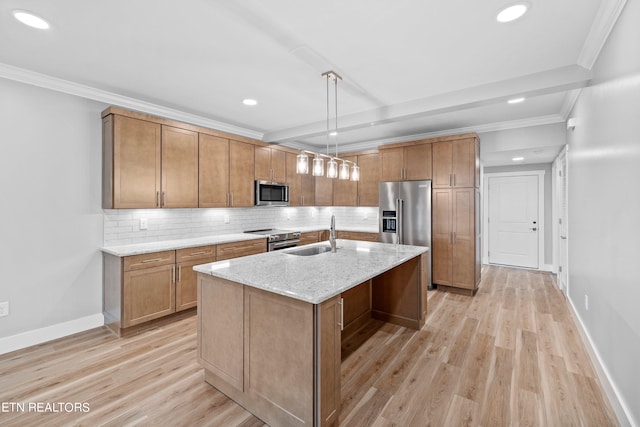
272	194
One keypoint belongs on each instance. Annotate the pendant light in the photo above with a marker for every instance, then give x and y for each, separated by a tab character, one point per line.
344	170
302	163
333	170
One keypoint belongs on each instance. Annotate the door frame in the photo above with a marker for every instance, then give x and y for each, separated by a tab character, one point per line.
485	213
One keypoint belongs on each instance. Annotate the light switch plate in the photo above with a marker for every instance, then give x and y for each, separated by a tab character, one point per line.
144	224
226	219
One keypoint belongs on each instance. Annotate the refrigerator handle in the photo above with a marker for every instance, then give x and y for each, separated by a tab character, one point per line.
400	210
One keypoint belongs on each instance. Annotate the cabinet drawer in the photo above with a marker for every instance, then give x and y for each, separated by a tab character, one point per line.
358	235
309	237
137	262
188	254
238	249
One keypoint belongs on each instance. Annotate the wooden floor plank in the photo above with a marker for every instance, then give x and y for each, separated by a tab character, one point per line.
511	356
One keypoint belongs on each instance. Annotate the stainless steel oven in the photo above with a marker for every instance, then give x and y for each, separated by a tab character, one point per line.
278	239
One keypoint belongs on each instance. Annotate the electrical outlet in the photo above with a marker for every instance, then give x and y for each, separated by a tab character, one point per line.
226	219
144	223
4	308
586	302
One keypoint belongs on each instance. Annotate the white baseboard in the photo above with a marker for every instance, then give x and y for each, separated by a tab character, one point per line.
37	336
625	418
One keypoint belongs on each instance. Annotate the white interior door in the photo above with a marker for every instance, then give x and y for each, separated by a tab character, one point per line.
513	221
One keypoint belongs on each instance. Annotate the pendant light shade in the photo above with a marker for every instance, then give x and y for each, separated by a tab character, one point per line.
302	163
344	170
332	168
355	172
318	166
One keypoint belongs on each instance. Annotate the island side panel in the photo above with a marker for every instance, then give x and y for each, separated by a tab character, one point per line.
329	316
398	294
220	332
279	358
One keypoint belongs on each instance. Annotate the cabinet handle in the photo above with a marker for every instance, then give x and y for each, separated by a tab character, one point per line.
164	199
197	253
451	237
341	322
230	248
144	261
180	273
454	237
173	274
231	199
157	199
301	200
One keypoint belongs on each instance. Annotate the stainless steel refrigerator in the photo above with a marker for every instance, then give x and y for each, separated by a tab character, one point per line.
405	214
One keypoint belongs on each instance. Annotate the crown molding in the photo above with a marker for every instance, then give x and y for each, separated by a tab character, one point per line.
490	127
606	18
570	99
65	86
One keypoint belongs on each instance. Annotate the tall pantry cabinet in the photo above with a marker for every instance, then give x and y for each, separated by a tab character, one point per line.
455	235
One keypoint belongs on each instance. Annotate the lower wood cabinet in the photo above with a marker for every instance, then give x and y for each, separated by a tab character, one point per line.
138	289
455	239
187	280
309	237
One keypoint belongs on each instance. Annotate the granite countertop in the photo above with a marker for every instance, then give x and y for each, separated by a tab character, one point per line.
315	278
169	245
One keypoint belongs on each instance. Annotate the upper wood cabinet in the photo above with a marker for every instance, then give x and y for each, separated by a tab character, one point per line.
456	163
270	164
131	163
214	171
324	191
345	192
410	162
148	165
179	168
226	173
369	179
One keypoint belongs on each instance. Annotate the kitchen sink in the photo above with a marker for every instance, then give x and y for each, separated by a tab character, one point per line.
314	250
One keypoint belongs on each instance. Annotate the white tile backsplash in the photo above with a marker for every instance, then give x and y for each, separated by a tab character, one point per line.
122	226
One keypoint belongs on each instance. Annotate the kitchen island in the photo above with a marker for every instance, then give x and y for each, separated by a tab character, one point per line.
269	325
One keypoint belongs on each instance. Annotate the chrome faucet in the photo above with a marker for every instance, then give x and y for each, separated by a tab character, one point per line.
332	233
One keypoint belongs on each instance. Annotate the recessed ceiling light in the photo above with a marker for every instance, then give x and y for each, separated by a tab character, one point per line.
30	19
250	102
512	13
515	100
333	133
518	159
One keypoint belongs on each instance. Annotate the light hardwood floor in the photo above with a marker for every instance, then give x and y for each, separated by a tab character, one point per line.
510	356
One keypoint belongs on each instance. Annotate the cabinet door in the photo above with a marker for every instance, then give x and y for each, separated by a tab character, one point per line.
278	165
293	180
213	172
463	254
179	168
187	283
309	237
442	159
391	164
345	192
149	293
464	163
308	189
324	191
136	163
442	236
417	162
241	173
263	163
369	179
330	339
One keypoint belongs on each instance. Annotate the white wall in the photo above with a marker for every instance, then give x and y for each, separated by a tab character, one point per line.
51	224
604	208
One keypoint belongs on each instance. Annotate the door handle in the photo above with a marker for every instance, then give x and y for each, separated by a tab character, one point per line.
563	237
533	229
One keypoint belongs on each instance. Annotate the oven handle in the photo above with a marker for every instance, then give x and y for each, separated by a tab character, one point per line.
285	244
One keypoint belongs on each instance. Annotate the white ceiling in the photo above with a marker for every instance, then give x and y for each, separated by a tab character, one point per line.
410	68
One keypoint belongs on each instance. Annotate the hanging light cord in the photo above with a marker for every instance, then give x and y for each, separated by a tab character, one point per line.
327	114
